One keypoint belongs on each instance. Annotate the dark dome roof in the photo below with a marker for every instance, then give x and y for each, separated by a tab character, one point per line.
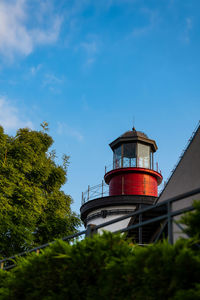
133	136
134	133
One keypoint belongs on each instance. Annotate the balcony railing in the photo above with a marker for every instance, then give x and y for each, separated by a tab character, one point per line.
139	162
102	189
96	191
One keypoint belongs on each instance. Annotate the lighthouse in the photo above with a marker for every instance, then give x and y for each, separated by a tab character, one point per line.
130	183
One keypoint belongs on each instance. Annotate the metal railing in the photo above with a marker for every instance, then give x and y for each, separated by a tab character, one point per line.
166	219
102	189
124	162
96	191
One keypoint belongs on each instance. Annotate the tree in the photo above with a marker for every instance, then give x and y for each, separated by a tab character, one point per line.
33	208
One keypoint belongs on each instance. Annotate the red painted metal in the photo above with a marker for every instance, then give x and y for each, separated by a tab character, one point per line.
133	181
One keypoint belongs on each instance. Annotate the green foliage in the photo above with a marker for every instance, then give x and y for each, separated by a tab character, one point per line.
33	208
105	267
192	221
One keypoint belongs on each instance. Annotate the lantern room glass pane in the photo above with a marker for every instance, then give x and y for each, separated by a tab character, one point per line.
117	158
143	156
129	155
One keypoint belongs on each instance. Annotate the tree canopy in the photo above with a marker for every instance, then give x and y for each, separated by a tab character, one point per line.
33	208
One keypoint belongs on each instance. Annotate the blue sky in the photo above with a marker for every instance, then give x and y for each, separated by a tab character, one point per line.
90	68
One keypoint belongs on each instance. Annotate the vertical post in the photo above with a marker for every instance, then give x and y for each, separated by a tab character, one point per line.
91	230
144	186
170	229
157	166
122	155
102	188
140	228
152	161
122	185
88	192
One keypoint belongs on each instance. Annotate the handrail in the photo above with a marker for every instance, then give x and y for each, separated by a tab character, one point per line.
93	229
96	191
102	190
122	163
151	207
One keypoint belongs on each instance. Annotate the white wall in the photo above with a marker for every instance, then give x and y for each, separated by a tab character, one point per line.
113	227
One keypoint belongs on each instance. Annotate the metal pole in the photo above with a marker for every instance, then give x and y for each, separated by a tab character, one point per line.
136	155
122	185
102	188
152	161
88	192
91	230
170	229
140	228
122	155
161	231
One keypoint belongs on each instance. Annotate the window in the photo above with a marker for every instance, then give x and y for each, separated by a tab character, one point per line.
117	158
143	156
129	155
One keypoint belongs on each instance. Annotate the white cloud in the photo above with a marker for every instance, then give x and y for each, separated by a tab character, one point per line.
187	30
89	62
51	80
137	32
85	105
153	19
34	70
64	129
16	33
91	49
10	117
49	36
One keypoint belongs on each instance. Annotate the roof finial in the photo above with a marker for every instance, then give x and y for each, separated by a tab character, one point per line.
133	124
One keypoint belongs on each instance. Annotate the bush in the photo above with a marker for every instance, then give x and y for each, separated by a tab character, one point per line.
192	220
105	267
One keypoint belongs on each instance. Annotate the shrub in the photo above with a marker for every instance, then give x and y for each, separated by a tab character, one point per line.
105	267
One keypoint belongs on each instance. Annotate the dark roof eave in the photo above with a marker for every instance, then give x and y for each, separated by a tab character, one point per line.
121	140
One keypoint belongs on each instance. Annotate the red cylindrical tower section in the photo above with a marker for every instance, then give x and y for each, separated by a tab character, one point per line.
133	181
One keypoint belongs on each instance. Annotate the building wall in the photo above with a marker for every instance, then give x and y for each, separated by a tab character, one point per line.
186	177
115	226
